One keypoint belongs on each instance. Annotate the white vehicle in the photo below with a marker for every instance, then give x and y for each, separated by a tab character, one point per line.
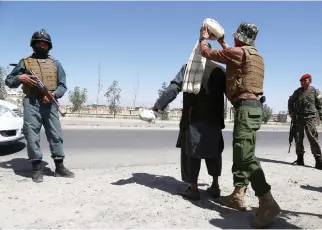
10	126
13	107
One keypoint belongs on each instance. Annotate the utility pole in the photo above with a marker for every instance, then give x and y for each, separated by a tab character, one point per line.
136	90
99	86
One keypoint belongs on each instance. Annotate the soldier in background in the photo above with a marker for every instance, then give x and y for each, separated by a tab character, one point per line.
200	136
38	109
305	110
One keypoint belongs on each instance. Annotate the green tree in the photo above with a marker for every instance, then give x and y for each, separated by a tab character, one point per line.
3	92
165	112
113	95
267	113
282	117
78	98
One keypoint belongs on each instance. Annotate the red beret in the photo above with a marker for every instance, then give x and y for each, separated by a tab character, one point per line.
305	76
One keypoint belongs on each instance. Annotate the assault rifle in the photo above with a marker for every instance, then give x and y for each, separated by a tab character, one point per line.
291	136
43	89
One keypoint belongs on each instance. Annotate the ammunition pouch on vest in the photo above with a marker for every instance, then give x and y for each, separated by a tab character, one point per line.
45	70
247	80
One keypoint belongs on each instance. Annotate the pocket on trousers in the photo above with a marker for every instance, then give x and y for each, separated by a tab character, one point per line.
254	117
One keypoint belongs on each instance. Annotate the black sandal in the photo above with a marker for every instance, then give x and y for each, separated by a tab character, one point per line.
187	193
214	192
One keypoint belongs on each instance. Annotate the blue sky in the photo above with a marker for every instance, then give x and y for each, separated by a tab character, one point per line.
153	39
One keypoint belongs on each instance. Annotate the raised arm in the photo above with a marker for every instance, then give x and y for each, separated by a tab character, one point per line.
171	92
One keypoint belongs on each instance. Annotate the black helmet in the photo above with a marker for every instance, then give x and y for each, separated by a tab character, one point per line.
246	33
41	35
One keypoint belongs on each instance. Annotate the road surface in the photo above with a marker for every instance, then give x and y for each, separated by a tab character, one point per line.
129	179
111	147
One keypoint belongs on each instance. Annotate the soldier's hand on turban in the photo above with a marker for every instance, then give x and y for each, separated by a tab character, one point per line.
221	40
204	32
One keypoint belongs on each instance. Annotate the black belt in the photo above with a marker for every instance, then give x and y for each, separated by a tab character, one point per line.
253	103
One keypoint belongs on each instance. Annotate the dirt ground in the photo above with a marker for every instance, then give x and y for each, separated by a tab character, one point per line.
145	196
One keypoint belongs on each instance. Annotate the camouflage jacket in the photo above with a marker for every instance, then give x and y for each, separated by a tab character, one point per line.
306	103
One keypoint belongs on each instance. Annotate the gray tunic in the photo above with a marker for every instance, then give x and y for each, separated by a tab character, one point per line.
202	118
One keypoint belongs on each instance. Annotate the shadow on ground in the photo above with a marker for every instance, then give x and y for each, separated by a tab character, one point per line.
311	188
12	148
22	167
280	162
231	219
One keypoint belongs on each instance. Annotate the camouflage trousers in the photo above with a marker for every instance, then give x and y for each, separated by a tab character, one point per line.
310	127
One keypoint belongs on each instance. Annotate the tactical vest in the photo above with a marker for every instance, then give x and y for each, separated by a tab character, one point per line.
45	69
247	80
208	104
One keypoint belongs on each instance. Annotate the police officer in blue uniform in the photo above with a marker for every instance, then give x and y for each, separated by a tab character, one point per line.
38	109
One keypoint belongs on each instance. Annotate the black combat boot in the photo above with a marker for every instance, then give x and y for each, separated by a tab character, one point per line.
318	163
61	171
37	172
299	161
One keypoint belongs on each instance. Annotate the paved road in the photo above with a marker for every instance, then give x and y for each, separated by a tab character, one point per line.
86	148
84	140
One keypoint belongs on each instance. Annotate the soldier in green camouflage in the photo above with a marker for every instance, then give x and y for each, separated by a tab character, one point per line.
305	109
